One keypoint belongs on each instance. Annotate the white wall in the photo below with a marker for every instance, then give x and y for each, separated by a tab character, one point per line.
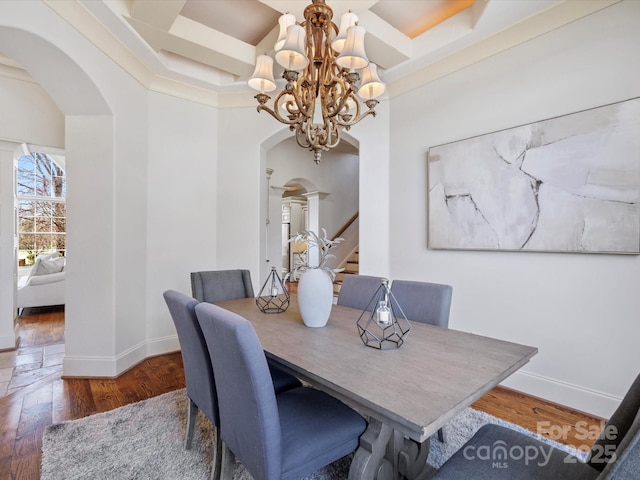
241	183
28	113
580	310
182	204
376	159
8	334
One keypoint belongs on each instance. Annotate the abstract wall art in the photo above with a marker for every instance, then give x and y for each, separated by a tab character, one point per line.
566	184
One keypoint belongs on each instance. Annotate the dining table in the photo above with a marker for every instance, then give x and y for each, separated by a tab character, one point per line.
406	393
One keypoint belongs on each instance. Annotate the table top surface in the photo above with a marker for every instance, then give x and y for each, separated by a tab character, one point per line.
416	388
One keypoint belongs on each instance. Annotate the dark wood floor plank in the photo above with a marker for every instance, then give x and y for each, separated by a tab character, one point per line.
5	468
26	468
80	398
106	395
550	420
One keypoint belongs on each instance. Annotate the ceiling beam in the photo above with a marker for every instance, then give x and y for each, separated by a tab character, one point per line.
159	14
200	43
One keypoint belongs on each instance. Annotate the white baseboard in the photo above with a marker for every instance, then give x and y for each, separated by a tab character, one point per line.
160	346
573	396
86	366
92	367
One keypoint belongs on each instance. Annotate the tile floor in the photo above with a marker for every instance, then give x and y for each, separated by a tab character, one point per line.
24	366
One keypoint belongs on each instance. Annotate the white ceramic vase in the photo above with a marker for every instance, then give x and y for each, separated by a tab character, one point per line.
315	297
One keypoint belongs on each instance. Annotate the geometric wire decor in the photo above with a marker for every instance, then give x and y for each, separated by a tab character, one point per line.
386	325
273	296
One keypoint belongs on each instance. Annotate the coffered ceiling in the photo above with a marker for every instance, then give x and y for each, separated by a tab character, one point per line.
214	43
210	46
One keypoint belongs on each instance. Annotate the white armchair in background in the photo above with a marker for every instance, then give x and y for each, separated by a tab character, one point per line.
45	285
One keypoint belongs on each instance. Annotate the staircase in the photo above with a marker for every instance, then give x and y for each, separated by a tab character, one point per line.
351	268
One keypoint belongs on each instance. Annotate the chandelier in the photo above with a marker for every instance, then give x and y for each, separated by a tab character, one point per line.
325	68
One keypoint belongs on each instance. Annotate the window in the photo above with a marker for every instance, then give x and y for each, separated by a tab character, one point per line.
41	191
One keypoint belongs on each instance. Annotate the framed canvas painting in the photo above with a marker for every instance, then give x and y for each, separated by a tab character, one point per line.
566	184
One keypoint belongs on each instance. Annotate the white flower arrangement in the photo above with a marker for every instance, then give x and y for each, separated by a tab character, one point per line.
312	239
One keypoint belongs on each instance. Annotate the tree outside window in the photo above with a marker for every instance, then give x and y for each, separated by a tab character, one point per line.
41	192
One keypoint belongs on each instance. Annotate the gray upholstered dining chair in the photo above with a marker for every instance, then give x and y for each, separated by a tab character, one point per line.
275	436
198	372
423	302
219	285
357	291
615	454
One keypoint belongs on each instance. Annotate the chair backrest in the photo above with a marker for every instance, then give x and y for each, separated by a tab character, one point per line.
620	433
627	462
357	291
201	386
423	302
219	285
249	418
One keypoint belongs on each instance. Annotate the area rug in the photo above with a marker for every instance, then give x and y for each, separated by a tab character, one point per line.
145	440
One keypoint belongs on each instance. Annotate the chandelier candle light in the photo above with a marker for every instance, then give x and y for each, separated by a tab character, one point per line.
324	69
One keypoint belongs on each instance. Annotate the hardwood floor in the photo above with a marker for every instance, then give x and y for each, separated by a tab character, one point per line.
28	410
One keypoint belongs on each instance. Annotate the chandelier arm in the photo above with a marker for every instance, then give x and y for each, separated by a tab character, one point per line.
334	133
355	120
343	100
300	112
276	115
295	117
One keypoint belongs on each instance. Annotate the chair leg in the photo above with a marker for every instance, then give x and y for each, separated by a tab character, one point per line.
441	435
192	415
216	464
227	462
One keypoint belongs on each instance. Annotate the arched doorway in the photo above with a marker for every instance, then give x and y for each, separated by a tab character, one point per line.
302	194
79	99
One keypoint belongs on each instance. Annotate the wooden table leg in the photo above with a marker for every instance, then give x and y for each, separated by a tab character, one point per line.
385	454
412	459
369	461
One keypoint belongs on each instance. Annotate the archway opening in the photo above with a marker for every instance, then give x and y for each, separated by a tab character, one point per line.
46	65
305	195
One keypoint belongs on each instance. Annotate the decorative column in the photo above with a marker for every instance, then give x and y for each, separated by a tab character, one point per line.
313	215
274	255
